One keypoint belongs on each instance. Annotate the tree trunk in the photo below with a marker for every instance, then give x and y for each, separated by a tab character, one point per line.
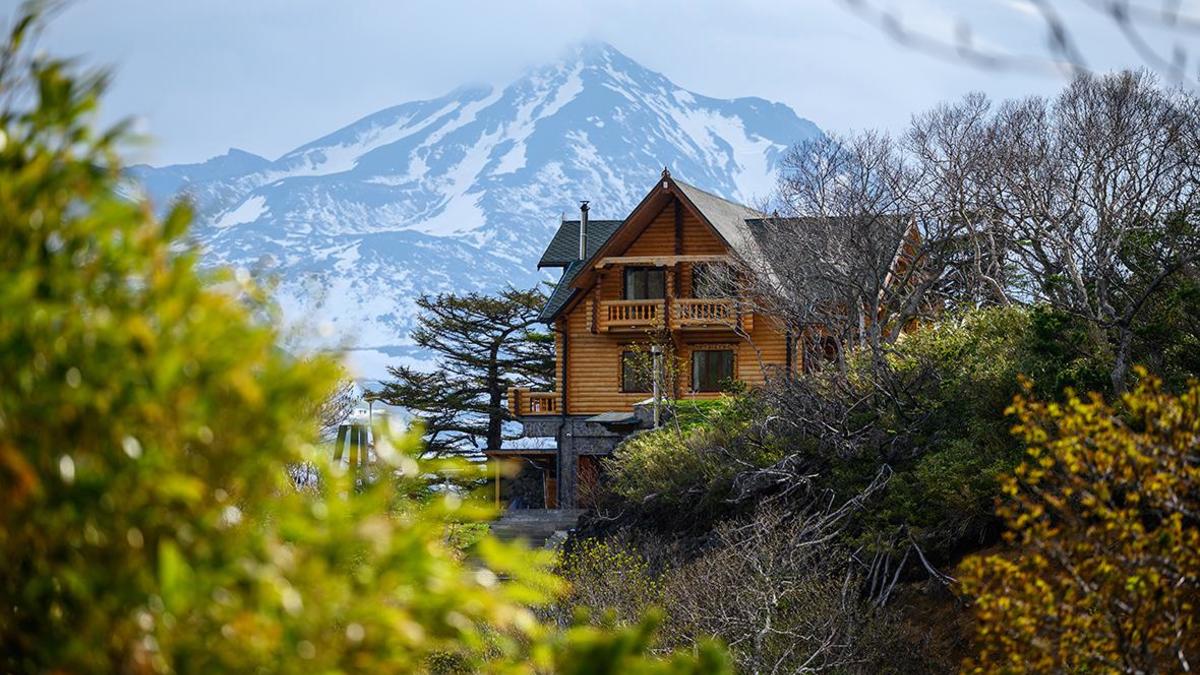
495	436
1120	370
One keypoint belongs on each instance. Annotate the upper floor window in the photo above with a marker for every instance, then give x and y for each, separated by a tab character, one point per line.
645	283
712	369
713	280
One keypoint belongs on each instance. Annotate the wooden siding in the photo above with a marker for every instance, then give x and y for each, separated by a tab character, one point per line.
594	358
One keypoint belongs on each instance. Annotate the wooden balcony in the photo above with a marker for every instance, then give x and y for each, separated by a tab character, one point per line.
632	314
709	313
685	314
522	402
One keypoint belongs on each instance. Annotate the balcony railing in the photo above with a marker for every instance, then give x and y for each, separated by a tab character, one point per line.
686	313
624	314
709	313
522	402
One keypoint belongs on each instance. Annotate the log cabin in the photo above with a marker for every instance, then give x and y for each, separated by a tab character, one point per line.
662	285
647	288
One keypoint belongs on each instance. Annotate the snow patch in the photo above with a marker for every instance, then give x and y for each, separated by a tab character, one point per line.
532	111
247	212
750	164
512	161
344	156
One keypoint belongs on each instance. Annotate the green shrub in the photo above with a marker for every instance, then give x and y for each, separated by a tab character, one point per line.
948	437
938	424
686	467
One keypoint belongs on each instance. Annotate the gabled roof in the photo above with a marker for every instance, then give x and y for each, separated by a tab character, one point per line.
564	247
728	220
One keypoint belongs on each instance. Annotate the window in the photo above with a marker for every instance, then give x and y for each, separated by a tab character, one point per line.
713	280
645	283
636	375
820	350
711	369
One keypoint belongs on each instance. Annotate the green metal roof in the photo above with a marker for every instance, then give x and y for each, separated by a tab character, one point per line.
564	247
563	251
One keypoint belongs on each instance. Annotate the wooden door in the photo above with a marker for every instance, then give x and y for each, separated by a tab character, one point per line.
589	480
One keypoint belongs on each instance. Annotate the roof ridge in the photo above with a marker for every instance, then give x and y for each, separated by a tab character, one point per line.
716	196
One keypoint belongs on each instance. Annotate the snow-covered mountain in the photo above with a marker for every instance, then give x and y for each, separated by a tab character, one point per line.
462	192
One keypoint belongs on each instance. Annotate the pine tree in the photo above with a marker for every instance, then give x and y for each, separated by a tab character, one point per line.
484	344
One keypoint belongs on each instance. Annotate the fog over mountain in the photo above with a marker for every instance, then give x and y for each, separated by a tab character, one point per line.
462	192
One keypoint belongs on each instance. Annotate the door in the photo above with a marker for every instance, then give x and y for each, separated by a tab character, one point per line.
588	480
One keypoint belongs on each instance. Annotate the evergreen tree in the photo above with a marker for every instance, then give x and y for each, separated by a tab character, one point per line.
484	344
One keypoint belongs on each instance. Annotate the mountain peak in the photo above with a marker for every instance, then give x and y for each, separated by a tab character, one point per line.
598	55
241	155
596	51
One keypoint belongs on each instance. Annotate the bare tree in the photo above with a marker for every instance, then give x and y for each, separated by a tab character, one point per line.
962	241
878	234
334	409
825	260
1098	191
782	593
1086	202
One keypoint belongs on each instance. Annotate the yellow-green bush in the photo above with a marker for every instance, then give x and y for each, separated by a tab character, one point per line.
1104	574
147	422
608	578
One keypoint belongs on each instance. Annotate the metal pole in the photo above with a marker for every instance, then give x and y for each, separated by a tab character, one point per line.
656	352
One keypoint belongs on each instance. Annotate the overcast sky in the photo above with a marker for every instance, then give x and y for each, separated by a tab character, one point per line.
266	76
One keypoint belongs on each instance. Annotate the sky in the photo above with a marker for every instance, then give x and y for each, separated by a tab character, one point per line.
201	76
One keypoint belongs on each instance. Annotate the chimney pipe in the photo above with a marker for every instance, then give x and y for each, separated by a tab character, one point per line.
583	223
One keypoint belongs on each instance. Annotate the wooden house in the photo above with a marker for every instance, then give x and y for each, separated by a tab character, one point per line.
660	287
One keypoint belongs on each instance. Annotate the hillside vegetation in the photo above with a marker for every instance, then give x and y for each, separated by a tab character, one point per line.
932	493
828	522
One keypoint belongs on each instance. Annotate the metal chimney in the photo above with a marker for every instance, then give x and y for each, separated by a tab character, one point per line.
583	223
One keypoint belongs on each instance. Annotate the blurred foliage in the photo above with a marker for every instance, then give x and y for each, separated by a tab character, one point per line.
1106	573
148	423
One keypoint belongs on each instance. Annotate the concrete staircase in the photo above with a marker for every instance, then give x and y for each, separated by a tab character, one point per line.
535	526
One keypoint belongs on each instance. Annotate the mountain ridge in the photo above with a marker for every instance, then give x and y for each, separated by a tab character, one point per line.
461	192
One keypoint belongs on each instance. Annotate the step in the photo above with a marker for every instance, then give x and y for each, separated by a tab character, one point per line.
535	526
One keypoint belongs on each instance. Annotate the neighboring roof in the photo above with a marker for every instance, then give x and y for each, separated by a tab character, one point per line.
564	247
893	228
